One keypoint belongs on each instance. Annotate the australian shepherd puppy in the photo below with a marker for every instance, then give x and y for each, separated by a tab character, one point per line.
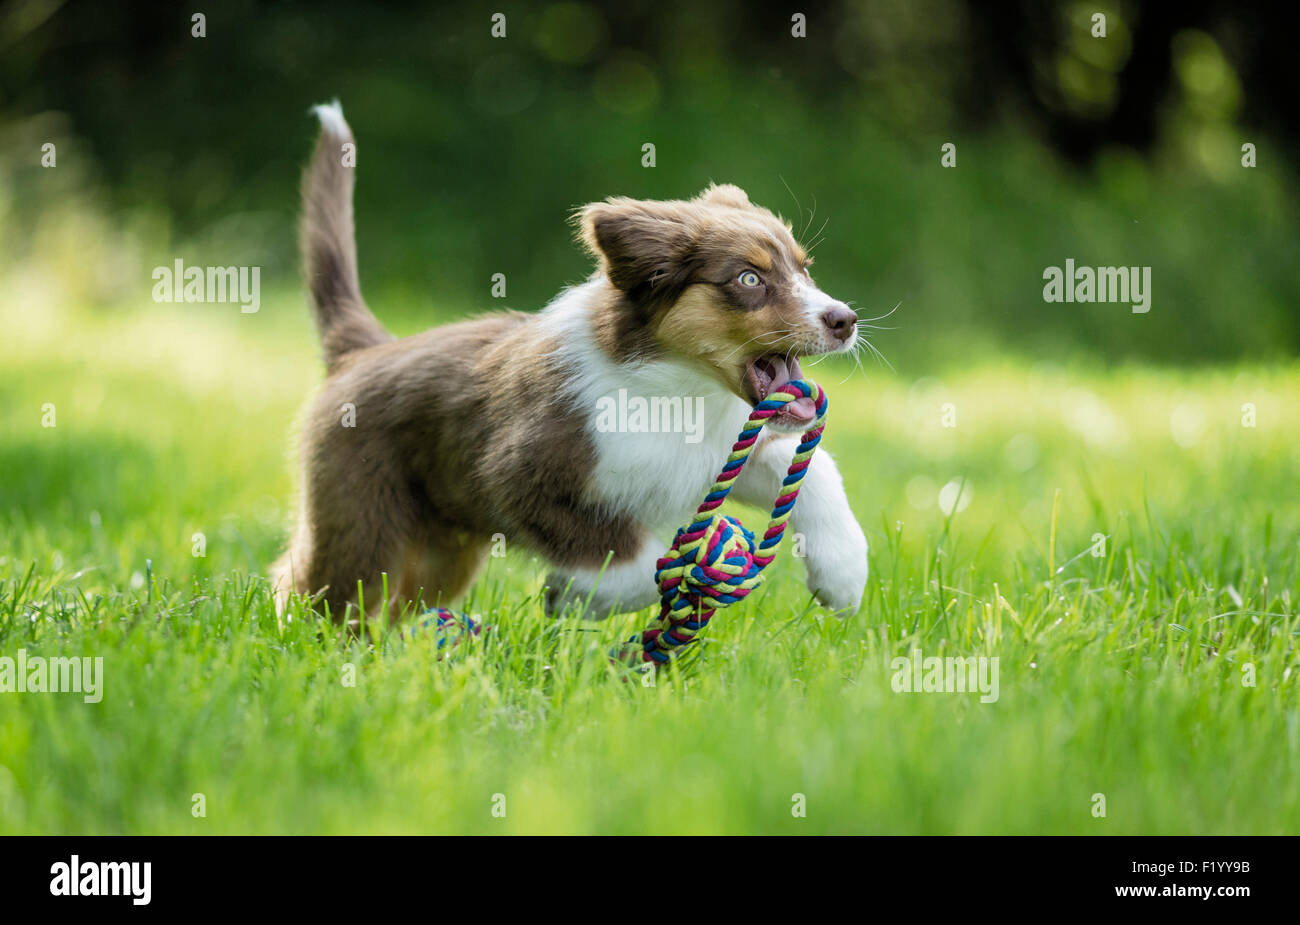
418	452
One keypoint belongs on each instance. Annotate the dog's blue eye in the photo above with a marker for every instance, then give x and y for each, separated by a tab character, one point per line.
749	279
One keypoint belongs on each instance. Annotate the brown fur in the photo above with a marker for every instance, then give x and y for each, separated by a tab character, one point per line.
456	440
329	254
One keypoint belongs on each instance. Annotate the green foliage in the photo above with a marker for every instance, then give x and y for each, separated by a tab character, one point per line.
472	152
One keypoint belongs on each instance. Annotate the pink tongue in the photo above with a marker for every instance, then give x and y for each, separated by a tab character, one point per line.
801	409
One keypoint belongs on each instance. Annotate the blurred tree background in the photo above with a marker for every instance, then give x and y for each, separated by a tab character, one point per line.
472	150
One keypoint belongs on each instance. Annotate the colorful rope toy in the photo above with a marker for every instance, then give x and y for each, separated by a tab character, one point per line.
713	561
448	627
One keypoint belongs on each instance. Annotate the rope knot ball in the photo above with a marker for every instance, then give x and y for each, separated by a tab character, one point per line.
714	560
711	561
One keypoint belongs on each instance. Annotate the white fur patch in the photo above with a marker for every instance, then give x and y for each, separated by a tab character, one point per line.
815	304
618	588
331	118
658	478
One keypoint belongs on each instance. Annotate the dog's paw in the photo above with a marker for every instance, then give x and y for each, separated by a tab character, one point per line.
838	577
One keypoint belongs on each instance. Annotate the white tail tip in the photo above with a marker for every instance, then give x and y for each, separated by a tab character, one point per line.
331	118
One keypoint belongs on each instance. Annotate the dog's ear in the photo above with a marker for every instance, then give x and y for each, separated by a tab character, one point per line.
644	247
725	194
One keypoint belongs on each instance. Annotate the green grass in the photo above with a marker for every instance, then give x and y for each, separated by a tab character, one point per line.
1119	675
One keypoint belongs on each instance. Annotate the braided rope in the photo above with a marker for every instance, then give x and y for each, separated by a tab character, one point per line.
713	561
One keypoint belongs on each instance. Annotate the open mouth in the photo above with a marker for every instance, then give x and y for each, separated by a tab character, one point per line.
771	371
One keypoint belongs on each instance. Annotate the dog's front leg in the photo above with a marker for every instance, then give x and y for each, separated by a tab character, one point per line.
621	586
822	526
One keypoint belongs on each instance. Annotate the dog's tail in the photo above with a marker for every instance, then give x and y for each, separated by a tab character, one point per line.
328	242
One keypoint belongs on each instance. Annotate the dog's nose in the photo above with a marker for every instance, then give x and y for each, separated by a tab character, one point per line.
842	320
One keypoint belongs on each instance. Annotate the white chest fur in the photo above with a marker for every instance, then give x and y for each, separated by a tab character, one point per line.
661	429
660	475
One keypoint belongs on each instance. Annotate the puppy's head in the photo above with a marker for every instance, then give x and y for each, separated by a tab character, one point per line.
719	281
